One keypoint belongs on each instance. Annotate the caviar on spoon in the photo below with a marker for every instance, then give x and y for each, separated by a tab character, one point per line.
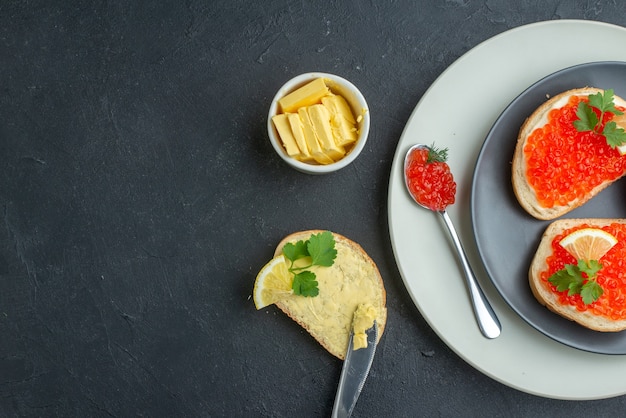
430	183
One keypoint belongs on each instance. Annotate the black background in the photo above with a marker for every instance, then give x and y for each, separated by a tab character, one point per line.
140	196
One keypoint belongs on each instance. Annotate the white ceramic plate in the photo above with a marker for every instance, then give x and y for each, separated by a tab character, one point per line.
479	86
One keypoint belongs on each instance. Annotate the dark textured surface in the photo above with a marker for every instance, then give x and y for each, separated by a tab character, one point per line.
139	197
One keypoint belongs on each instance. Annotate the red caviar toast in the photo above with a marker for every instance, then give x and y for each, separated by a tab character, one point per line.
608	312
555	168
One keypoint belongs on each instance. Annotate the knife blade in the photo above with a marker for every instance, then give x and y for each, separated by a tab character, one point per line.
355	369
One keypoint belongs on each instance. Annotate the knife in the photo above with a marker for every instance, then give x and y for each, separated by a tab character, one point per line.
355	369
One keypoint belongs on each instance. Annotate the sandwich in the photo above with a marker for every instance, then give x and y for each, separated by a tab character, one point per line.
568	150
579	272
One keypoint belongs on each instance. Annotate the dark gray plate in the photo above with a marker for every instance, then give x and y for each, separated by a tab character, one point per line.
507	237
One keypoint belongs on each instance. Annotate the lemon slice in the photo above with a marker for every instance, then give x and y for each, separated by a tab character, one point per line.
273	283
588	243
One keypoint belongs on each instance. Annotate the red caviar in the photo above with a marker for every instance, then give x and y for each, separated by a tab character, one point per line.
430	183
611	277
564	164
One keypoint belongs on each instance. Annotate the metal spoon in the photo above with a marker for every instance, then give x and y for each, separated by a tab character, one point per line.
485	316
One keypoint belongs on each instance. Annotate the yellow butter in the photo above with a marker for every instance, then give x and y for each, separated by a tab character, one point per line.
363	320
285	133
298	133
316	121
306	95
311	139
343	132
320	120
342	120
338	105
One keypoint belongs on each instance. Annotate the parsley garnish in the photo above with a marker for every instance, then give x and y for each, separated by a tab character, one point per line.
588	119
320	248
571	279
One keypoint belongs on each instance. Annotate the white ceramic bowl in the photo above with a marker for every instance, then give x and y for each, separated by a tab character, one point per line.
337	85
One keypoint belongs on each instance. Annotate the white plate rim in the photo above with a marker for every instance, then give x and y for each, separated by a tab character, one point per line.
521	357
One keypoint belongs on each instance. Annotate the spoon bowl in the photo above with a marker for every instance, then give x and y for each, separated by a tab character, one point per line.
485	316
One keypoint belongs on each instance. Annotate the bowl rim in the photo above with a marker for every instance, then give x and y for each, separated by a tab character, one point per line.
296	82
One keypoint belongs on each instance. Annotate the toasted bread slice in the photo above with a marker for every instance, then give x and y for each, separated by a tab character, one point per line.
523	190
550	299
352	280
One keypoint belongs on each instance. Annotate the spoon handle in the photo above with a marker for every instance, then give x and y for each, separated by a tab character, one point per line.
485	316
